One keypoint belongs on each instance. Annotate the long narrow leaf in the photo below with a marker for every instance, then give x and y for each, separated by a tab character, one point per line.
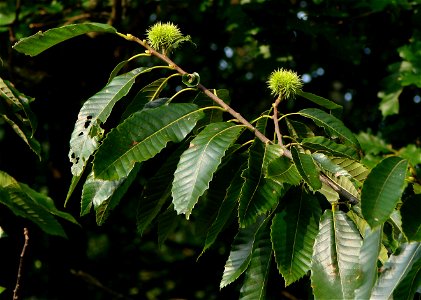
283	170
320	100
307	169
198	164
320	143
142	136
395	270
293	233
382	190
94	112
410	284
41	41
331	124
257	274
335	262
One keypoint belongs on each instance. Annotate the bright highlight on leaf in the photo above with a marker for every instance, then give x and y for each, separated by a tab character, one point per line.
284	83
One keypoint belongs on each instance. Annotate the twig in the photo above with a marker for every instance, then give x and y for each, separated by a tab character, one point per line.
22	254
275	121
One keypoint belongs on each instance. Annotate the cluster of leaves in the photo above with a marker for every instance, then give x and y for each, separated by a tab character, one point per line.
312	204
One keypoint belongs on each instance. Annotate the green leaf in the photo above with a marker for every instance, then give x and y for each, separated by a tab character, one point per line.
225	210
373	144
258	194
410	284
257	274
382	190
157	190
389	105
41	41
328	165
198	164
167	223
411	221
331	124
320	143
94	112
345	183
358	171
307	169
298	130
75	180
240	254
395	270
320	100
283	170
369	256
293	233
141	136
412	153
335	261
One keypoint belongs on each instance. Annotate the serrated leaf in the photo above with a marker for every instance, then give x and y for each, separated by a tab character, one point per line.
335	261
283	170
307	169
258	194
240	254
345	183
369	256
142	136
320	100
157	190
358	171
257	274
395	270
331	124
198	164
41	41
411	221
293	233
320	143
225	210
382	190
328	165
94	112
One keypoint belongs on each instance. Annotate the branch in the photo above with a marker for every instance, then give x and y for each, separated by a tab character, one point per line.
237	115
22	254
275	121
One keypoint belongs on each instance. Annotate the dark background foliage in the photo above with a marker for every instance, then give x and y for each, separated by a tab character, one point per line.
343	50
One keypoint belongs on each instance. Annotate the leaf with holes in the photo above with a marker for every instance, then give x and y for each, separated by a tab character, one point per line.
142	136
198	164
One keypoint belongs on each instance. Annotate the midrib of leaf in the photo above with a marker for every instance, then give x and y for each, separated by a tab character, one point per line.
145	140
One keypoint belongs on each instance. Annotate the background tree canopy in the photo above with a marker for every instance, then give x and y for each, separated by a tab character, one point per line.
364	55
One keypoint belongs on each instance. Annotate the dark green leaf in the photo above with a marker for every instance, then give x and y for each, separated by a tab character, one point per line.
41	41
382	190
198	164
298	130
307	169
294	231
320	100
167	223
320	143
411	221
141	136
410	284
283	170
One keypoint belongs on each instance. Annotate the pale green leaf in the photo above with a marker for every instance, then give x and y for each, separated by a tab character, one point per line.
258	194
328	165
198	164
382	190
369	256
389	105
331	124
293	233
142	136
240	254
331	195
307	168
335	261
94	112
41	41
257	274
358	171
395	270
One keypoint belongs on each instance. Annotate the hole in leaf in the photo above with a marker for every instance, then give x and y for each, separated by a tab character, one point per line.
87	124
89	117
81	133
73	155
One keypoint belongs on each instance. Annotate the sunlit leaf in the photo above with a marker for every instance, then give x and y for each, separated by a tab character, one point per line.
293	233
94	112
382	190
41	41
358	171
335	262
198	164
320	143
142	136
396	269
